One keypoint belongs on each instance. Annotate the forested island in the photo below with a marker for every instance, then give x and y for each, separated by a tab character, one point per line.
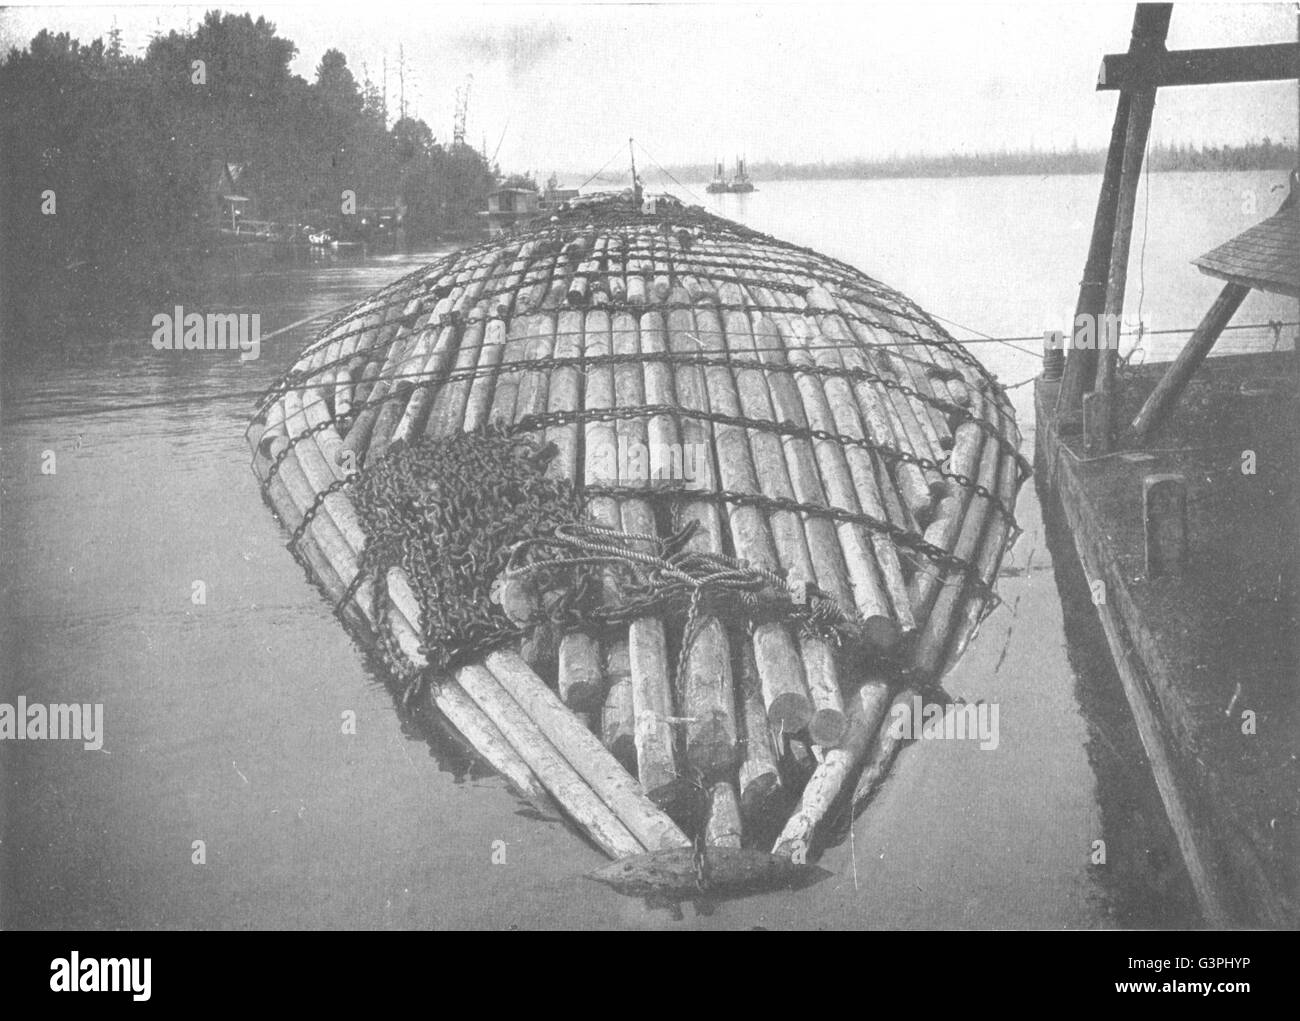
128	169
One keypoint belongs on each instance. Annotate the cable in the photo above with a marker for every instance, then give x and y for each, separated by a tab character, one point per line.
666	171
987	338
588	181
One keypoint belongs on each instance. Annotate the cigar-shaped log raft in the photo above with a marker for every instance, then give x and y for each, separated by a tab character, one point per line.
661	514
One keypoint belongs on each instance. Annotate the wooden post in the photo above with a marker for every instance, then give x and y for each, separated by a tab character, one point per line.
1161	400
1081	363
1150	25
1096	423
1053	355
1141	108
1164	517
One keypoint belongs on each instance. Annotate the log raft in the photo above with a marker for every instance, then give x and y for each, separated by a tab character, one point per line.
827	478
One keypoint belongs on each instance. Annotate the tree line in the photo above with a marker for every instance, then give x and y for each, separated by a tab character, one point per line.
1262	155
115	162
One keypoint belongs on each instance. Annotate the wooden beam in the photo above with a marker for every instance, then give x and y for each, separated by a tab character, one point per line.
1081	363
1155	411
1150	26
1135	143
1264	63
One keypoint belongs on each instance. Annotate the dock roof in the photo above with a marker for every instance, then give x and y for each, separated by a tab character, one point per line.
1266	256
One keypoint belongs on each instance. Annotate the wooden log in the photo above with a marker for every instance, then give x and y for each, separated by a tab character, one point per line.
647	650
503	300
534	382
618	720
708	703
1160	402
866	712
514	359
830	570
342	392
479	400
486	738
472	723
365	385
317	415
554	771
933	640
946	526
448	408
911	429
662	285
585	752
638	269
565	395
992	548
290	511
785	691
652	682
852	483
886	428
889	739
760	779
827	724
722	828
579	652
581	679
383	394
320	476
438	354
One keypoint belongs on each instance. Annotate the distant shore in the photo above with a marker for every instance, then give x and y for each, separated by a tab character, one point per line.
1263	155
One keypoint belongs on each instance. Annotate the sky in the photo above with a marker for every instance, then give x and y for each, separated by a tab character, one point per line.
563	86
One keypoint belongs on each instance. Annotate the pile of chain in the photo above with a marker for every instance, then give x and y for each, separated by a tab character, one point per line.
645	575
449	511
496	550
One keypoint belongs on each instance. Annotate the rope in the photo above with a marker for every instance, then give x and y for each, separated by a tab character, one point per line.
668	173
603	168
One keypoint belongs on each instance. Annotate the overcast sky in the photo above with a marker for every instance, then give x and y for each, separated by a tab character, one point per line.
561	86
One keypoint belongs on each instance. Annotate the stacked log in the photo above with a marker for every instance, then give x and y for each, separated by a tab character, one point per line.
759	713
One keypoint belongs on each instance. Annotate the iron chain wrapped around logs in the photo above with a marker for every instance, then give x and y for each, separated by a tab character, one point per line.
607	642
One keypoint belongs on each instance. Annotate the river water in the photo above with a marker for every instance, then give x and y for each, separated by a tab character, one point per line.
223	718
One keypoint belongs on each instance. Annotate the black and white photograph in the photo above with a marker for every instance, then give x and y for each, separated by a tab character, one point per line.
659	466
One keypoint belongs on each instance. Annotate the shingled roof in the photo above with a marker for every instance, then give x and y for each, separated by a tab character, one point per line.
1267	256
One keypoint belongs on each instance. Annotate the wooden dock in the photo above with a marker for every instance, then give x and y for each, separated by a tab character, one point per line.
1207	651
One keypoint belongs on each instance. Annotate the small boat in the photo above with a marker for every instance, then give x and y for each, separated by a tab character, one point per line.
664	515
719	183
739	183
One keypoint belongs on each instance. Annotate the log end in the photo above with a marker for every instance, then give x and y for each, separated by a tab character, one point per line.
828	727
789	712
581	694
760	797
711	747
881	631
623	748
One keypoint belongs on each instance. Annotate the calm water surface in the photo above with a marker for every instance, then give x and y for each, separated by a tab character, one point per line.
223	720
